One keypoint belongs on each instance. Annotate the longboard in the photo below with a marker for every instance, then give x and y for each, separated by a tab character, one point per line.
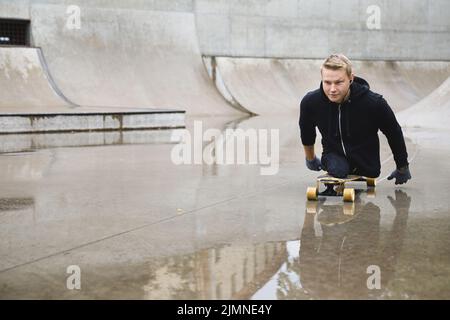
348	194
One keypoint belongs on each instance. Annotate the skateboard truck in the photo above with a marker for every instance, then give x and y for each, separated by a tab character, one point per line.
329	191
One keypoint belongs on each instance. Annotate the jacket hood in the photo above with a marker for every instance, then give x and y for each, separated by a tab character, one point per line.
358	88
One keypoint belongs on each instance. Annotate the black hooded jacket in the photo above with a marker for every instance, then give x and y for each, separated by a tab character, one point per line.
361	116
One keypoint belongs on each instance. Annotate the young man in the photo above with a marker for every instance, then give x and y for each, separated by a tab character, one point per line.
349	115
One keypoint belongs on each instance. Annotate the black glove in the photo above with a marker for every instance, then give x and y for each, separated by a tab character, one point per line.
401	175
314	164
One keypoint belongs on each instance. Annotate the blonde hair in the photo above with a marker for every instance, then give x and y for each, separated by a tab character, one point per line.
337	61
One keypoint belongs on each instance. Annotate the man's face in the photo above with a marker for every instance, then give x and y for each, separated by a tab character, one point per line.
336	84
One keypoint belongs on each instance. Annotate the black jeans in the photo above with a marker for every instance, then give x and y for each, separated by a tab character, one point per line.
337	165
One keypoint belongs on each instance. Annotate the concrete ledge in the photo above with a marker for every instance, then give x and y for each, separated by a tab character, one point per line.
90	121
26	142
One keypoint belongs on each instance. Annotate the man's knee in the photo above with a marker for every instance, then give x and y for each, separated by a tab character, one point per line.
337	166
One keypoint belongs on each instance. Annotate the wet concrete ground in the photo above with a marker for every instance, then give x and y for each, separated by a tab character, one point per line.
140	227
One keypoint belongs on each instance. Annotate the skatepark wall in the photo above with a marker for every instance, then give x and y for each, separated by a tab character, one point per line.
407	30
149	53
365	30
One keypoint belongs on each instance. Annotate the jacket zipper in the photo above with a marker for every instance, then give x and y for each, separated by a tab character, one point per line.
340	131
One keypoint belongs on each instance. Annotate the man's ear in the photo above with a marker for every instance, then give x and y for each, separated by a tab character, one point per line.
352	76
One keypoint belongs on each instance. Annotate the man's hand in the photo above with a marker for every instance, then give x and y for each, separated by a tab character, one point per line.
401	175
314	164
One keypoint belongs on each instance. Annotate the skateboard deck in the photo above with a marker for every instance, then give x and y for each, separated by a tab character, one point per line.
327	179
336	187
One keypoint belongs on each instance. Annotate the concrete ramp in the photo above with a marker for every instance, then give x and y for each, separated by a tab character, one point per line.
424	76
431	112
305	75
261	86
268	86
127	58
402	83
26	82
30	102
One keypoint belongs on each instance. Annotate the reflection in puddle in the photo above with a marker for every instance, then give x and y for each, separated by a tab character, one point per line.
337	264
223	272
12	204
332	265
27	142
226	272
285	280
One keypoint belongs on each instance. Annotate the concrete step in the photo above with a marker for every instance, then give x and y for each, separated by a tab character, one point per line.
28	142
79	120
